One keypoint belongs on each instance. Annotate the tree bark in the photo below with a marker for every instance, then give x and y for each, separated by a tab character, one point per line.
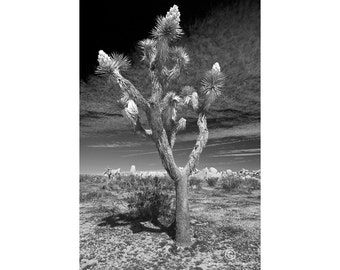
183	235
201	141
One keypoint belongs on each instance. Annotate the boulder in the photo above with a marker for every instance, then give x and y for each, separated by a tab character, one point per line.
205	171
133	169
229	172
212	170
200	175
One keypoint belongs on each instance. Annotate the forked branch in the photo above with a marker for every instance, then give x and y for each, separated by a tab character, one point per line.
200	144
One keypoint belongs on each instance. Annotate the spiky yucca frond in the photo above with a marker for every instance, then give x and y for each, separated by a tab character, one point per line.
170	102
108	65
212	85
168	28
170	73
180	55
148	47
171	99
187	90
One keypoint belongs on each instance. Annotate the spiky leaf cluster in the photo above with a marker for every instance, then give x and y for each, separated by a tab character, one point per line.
180	55
212	85
187	90
171	99
148	47
168	28
179	58
108	65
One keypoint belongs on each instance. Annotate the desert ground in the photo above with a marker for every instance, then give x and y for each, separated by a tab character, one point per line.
225	226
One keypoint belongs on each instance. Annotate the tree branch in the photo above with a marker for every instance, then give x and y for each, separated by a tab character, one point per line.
110	66
127	87
200	144
157	89
180	125
131	112
159	135
141	131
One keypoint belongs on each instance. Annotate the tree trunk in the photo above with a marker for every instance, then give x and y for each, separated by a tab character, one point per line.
183	235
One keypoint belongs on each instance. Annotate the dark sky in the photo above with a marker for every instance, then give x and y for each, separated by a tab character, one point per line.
118	25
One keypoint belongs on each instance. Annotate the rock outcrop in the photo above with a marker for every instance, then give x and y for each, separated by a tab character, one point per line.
133	169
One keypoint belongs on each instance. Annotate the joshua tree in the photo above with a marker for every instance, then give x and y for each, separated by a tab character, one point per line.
111	173
165	63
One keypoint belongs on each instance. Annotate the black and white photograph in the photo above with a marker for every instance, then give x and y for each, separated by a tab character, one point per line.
170	135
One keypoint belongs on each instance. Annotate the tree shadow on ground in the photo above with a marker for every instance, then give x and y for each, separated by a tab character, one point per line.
136	225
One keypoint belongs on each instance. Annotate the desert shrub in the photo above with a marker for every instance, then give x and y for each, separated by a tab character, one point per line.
230	183
92	178
234	183
85	177
212	181
252	183
93	195
150	197
195	181
99	179
132	183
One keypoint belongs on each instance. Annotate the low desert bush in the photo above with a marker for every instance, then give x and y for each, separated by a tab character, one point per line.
252	183
150	197
92	178
85	177
212	181
94	195
234	183
230	183
195	182
132	182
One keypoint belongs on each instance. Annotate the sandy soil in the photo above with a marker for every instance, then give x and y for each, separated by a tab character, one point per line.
225	233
